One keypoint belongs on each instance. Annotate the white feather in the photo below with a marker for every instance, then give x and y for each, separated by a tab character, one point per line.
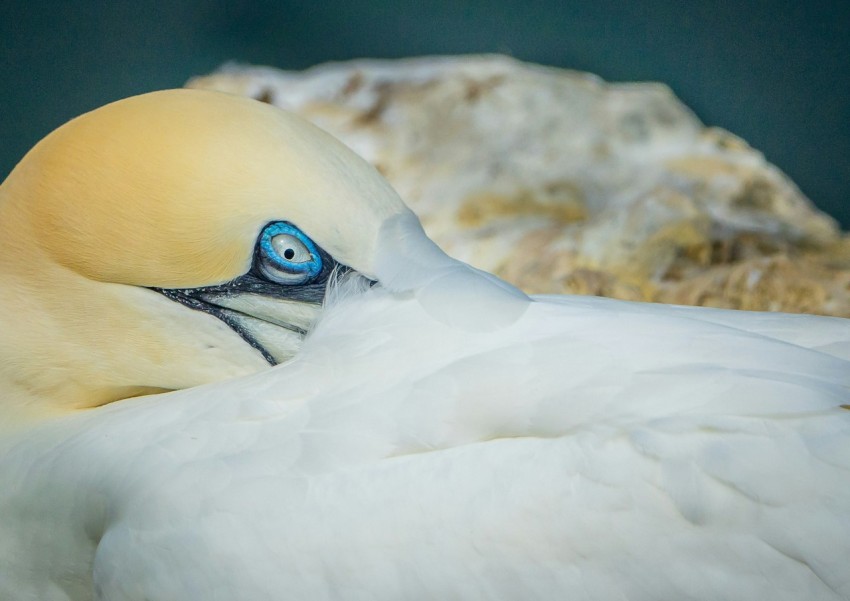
587	449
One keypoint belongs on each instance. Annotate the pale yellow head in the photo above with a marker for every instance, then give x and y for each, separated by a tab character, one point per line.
165	190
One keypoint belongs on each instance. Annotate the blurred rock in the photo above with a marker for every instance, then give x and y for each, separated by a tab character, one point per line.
562	183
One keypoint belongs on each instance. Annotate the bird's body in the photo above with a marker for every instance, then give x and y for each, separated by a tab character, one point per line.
593	449
437	435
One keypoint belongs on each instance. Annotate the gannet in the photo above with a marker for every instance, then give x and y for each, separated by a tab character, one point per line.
233	366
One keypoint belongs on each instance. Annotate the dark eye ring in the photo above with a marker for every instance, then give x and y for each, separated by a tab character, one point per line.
286	256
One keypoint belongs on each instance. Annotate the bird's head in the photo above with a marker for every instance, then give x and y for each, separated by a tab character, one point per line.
174	239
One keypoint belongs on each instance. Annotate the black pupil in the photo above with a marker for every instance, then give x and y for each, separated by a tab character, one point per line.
288	253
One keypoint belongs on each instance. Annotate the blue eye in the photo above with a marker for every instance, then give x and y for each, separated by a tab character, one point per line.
287	256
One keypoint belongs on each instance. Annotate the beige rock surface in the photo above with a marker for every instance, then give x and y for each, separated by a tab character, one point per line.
560	182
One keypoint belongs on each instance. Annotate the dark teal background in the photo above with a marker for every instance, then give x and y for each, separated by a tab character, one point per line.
775	73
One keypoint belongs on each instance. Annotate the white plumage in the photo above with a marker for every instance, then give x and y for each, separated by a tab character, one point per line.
593	449
442	436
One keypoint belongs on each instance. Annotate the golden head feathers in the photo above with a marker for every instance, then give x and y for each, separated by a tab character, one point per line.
168	190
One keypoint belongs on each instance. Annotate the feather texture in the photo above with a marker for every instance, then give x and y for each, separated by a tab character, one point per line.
591	449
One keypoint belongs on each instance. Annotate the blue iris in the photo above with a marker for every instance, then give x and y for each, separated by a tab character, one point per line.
287	256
